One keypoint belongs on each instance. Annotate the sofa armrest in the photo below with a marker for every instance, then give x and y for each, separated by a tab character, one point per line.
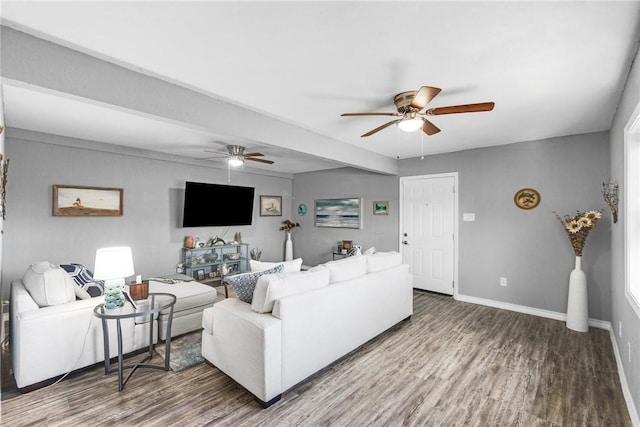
50	341
244	345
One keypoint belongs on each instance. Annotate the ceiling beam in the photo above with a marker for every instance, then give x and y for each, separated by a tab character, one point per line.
53	67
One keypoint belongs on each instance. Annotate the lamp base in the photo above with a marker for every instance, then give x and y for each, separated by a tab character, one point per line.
113	294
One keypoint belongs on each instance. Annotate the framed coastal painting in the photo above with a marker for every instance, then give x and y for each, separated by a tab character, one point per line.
338	213
270	205
74	200
381	207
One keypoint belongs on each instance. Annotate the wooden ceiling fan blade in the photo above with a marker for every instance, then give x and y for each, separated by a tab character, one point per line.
379	128
368	114
254	155
424	96
269	162
429	128
467	108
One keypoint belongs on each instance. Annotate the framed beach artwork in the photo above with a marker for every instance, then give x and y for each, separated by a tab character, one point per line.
338	213
73	200
381	207
270	205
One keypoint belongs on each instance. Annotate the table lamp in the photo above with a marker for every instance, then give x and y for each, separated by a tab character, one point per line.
112	266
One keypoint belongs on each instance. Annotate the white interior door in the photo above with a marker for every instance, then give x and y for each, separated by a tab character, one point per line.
427	231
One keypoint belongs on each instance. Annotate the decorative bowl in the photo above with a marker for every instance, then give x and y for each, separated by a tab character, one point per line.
233	256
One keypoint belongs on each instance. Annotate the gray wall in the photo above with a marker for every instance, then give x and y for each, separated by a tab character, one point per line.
153	195
315	244
528	247
622	311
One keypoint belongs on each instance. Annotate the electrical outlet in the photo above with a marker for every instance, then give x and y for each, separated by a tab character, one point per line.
620	328
503	281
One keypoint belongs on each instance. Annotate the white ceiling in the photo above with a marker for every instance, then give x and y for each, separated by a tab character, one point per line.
552	69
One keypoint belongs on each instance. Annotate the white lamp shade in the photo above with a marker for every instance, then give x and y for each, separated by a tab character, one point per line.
113	263
410	124
235	162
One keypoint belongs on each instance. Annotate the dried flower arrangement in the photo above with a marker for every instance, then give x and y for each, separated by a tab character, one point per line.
578	227
288	225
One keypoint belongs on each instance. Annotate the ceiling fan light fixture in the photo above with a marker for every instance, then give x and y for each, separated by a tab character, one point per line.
410	123
236	161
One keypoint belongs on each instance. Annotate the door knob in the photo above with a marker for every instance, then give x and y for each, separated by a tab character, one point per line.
404	242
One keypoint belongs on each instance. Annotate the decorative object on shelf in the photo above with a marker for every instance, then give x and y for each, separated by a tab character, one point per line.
200	274
217	241
233	256
577	228
73	200
610	194
302	209
287	226
270	205
180	268
381	207
112	265
189	242
238	237
256	254
347	245
526	198
338	213
4	169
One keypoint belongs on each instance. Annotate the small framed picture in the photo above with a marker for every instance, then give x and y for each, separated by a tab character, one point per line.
270	205
381	207
200	274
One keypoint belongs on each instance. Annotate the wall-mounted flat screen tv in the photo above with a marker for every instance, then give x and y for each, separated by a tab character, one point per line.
211	205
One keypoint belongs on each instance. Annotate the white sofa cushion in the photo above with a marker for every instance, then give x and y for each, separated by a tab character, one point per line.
289	266
272	287
49	284
347	268
245	283
379	261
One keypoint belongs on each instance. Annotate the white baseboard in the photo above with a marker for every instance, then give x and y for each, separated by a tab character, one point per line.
631	407
600	324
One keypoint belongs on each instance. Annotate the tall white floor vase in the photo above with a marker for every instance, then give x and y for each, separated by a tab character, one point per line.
578	304
288	248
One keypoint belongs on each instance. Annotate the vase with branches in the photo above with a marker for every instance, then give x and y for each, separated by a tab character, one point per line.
577	228
287	226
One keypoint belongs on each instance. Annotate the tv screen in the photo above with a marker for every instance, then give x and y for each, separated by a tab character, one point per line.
208	205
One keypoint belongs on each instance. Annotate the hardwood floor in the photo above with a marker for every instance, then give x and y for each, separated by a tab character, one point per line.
452	364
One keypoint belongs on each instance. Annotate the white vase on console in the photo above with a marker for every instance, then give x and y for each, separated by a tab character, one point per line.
288	248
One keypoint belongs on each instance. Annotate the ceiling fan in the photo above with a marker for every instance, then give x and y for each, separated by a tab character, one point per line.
237	156
411	114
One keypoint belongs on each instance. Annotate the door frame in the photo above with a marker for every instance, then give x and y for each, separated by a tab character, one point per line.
453	175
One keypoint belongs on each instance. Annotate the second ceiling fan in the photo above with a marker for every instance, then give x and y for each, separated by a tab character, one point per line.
411	115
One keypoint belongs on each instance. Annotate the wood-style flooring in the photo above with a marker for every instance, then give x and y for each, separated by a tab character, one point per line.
452	363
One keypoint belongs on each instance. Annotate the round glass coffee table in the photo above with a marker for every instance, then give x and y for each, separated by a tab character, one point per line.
150	307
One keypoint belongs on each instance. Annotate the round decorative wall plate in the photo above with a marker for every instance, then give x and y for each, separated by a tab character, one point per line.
302	209
526	198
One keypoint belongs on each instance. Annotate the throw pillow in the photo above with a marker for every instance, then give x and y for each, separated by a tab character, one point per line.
83	278
245	283
370	251
48	284
289	266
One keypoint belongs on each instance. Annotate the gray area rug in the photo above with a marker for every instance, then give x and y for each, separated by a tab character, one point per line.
185	351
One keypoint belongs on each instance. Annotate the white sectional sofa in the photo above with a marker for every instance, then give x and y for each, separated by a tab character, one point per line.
298	323
49	341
